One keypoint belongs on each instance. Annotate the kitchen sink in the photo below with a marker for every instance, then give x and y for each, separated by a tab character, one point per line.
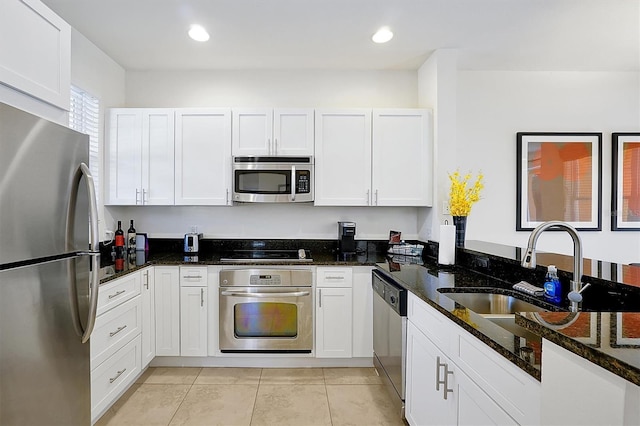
508	322
491	303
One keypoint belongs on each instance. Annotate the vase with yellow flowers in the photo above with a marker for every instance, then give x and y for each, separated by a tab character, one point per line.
461	197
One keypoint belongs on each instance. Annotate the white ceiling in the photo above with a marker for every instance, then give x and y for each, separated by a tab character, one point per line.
581	35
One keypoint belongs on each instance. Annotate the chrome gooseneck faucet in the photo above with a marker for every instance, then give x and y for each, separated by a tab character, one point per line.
529	260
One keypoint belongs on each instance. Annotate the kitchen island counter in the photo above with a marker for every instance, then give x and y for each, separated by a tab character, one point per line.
608	339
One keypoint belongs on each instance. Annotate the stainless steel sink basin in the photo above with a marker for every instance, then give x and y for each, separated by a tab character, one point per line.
492	303
508	322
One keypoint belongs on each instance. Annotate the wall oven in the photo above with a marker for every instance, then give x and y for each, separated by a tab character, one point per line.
273	179
266	310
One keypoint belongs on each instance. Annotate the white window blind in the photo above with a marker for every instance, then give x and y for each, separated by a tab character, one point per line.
84	116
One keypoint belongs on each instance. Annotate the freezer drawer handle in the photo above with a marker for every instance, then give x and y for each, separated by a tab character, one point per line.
118	374
113	333
116	294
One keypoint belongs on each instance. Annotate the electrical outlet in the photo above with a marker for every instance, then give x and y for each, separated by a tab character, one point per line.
445	207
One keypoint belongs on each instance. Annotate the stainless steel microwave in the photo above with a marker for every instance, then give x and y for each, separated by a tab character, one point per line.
273	179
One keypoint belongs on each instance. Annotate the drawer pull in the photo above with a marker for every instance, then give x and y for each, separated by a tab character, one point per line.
329	277
113	333
118	374
192	277
116	294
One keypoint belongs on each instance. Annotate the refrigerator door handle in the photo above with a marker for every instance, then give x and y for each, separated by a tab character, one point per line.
94	253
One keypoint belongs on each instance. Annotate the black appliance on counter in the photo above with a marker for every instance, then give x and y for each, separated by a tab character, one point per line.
346	237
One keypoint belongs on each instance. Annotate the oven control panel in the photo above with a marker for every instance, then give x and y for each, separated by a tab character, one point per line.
265	280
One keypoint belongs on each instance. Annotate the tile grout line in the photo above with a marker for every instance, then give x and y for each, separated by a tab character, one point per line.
184	397
255	398
326	394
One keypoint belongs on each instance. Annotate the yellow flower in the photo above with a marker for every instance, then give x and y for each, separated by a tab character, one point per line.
462	198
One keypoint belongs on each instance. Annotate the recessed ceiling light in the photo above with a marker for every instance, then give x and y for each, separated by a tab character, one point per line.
383	35
198	33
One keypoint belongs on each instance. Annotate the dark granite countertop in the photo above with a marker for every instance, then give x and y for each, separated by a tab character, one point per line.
608	339
169	252
603	336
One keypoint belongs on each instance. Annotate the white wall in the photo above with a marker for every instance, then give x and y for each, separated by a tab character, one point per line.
493	106
269	221
322	89
300	88
96	73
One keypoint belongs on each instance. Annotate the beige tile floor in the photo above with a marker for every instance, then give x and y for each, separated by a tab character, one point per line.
255	396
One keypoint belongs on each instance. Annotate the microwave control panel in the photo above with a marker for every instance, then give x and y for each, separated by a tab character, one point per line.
303	184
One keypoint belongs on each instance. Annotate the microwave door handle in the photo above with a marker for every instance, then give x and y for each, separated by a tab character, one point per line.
293	183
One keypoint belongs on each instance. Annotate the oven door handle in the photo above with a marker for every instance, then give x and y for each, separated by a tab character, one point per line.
245	294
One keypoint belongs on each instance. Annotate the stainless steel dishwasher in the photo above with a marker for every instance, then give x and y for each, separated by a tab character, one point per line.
390	335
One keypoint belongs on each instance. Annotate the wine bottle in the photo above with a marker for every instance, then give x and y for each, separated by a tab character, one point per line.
131	238
119	236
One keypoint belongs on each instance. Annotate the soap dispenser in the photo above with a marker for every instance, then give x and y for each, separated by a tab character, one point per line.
552	286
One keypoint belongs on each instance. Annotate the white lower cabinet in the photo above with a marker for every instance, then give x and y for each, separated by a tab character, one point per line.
362	312
577	392
193	310
454	379
111	378
425	403
167	307
193	321
116	341
334	310
148	316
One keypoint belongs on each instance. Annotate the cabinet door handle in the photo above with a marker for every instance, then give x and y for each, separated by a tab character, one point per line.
118	374
145	198
146	280
376	197
118	330
227	198
319	298
368	200
445	382
269	146
275	146
117	293
438	365
201	297
137	192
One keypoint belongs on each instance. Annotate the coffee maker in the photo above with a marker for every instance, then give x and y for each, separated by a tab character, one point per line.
346	234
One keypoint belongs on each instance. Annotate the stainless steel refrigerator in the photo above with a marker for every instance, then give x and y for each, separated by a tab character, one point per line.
49	267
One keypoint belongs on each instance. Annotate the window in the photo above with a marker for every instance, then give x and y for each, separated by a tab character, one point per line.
84	116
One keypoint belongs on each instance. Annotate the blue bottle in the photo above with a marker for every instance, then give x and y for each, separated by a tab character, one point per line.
552	286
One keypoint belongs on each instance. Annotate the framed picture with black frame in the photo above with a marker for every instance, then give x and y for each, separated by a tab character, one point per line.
559	177
625	182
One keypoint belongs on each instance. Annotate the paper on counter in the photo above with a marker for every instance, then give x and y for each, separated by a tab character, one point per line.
447	245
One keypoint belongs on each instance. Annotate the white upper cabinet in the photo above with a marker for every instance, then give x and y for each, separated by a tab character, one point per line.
124	159
292	132
157	157
373	159
265	131
140	161
35	53
203	156
343	157
402	157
